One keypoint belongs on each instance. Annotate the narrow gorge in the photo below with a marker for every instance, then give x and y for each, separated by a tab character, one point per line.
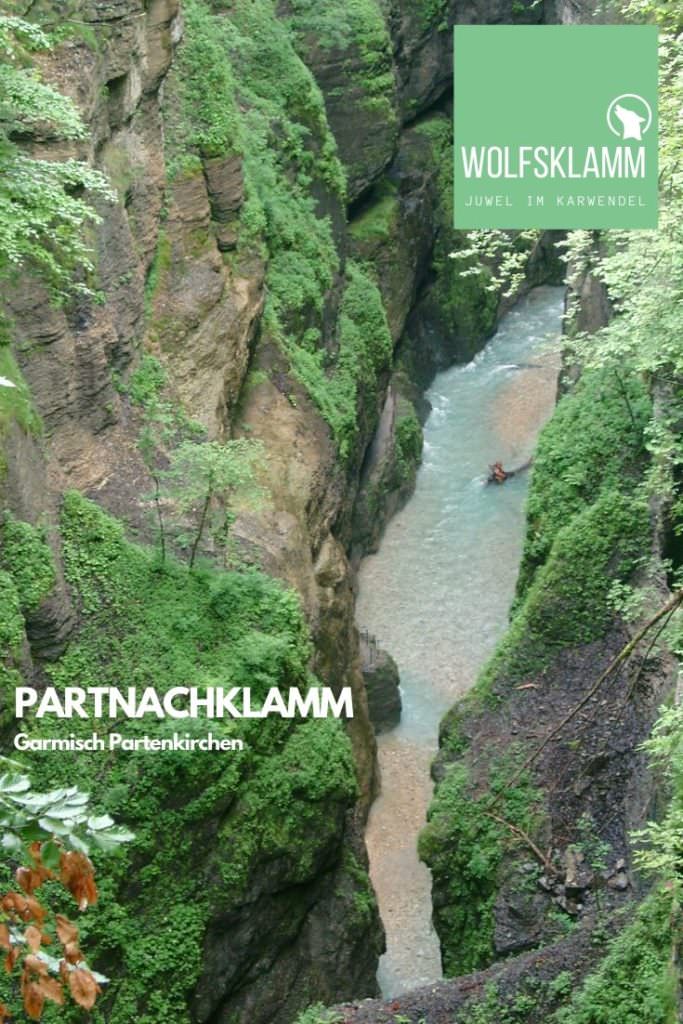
251	383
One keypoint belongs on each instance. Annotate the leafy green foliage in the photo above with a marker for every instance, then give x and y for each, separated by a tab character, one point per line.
595	442
409	441
42	214
206	479
355	26
58	818
464	291
318	1015
643	270
379	218
662	841
632	984
15	402
463	847
208	826
364	352
26	556
567	602
11	619
26	577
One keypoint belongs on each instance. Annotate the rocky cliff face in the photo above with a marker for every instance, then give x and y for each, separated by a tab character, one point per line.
277	243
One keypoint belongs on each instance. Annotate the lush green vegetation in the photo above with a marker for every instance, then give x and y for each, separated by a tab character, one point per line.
42	213
355	26
26	556
464	844
532	996
634	983
567	603
256	98
318	1015
594	443
27	576
16	405
379	217
611	453
465	301
341	384
206	825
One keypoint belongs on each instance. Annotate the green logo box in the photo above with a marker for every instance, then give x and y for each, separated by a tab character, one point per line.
555	126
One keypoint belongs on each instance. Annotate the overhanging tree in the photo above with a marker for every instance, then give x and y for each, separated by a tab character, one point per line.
45	205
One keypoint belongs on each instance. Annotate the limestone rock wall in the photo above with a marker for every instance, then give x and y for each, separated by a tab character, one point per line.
180	282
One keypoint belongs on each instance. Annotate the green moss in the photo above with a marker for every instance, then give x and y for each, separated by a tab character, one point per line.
465	304
147	381
158	270
433	12
208	826
337	25
633	984
566	604
364	351
11	619
408	441
26	556
379	217
593	443
318	1015
463	847
355	25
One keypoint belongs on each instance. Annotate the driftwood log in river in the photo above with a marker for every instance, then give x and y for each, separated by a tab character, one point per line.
498	475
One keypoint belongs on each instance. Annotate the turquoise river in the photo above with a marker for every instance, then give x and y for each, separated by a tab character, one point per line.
437	594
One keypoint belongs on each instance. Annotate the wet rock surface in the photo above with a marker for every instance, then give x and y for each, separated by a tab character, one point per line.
380	674
456	1001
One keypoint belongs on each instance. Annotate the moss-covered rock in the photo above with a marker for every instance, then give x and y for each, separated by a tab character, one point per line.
388	477
348	48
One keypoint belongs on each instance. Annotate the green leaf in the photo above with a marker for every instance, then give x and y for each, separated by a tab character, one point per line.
50	854
53	826
96	824
14	783
11	842
79	844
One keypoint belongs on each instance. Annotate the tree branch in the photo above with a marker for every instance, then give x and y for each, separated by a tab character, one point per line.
670	606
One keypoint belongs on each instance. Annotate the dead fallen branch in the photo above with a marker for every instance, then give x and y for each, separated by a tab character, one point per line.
519	833
667	610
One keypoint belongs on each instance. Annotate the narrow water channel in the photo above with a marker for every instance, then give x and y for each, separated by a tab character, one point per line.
437	594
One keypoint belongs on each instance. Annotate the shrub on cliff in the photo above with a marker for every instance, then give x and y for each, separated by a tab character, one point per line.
43	216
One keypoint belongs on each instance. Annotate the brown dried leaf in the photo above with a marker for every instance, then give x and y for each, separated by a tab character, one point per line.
72	953
83	988
66	931
51	989
14	903
77	874
34	964
11	959
23	878
34	910
33	938
33	998
30	879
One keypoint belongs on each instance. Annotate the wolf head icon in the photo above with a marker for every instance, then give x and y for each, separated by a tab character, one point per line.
631	123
